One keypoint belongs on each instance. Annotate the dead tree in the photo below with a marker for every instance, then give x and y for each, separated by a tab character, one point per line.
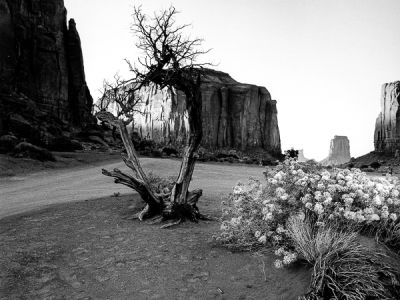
170	60
119	97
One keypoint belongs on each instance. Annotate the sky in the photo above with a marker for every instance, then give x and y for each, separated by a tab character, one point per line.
324	61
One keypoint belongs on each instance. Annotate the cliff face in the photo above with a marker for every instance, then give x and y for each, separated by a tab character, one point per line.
339	151
235	115
387	127
41	58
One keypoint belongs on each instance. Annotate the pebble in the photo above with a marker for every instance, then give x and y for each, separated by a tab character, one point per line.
193	280
76	284
102	278
46	278
213	293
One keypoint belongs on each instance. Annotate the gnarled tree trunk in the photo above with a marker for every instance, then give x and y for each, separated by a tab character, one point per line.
180	204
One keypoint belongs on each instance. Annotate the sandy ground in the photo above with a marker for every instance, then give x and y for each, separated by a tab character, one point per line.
72	249
86	250
31	191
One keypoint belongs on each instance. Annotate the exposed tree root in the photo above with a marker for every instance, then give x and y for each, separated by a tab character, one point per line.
171	224
180	204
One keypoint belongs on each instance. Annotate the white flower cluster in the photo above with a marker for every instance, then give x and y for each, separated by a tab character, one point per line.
288	257
258	214
352	195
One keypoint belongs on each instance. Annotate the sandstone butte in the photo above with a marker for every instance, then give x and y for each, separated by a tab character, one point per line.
339	151
387	127
301	157
235	115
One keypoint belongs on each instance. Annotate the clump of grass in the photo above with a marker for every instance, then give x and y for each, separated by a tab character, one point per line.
390	237
161	184
343	268
313	242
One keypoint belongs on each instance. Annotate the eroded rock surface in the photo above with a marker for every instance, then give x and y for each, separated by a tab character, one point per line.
339	151
235	115
43	91
387	127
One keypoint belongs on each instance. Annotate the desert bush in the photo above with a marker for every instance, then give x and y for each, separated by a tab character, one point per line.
341	196
375	165
292	153
351	271
343	267
306	212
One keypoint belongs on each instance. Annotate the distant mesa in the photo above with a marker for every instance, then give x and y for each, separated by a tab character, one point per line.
235	115
387	127
300	157
339	152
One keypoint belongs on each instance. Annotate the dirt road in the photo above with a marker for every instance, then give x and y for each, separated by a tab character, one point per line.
21	194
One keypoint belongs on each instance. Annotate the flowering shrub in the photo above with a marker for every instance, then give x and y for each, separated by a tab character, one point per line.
257	214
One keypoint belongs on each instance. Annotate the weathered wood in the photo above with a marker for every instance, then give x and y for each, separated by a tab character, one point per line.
180	204
194	108
140	181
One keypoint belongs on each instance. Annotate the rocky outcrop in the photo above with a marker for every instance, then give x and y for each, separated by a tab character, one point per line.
387	127
235	115
339	151
41	59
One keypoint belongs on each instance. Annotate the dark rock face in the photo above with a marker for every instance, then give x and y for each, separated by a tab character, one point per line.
339	151
387	127
7	143
235	115
79	95
41	58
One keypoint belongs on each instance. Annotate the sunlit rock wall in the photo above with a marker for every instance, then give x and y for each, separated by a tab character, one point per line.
339	151
235	115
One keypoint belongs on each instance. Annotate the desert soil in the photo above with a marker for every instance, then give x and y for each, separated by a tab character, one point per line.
86	250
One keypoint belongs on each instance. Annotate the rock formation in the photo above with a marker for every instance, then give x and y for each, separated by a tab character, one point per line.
300	157
339	151
235	115
42	78
387	127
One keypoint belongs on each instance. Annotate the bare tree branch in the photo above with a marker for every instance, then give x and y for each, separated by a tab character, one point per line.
169	60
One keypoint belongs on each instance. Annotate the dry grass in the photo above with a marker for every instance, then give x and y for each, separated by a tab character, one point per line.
343	268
